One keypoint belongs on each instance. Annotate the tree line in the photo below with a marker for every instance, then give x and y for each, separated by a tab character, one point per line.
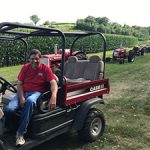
104	25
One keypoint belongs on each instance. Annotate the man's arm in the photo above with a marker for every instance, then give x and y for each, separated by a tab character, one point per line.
54	89
20	93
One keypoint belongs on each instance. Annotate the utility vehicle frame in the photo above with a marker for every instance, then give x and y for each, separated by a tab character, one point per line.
76	101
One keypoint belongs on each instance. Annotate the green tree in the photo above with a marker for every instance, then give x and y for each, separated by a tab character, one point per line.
88	24
90	20
101	28
35	19
117	28
103	25
102	20
46	23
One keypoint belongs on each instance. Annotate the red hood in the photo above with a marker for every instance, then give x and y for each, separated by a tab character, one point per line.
120	50
53	56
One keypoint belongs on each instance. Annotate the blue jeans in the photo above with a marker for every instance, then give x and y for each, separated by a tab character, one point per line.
30	104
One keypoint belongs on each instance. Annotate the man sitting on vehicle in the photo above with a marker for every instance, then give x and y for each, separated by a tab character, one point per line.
31	83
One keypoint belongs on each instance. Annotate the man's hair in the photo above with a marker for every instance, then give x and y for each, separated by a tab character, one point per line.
35	52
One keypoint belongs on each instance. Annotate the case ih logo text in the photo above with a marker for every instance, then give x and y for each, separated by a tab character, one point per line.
95	88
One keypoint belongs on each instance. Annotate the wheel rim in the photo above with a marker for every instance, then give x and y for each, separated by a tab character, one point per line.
96	126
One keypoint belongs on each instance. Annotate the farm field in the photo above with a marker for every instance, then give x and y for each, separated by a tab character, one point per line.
127	111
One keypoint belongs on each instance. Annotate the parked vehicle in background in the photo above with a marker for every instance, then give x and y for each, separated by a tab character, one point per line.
139	50
120	55
147	48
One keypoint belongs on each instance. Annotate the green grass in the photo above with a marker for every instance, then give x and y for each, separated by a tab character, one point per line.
65	27
10	73
127	112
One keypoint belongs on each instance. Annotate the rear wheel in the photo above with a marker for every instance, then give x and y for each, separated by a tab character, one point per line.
93	126
142	52
121	61
57	71
131	56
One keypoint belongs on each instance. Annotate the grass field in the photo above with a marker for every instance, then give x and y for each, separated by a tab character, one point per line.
65	27
127	112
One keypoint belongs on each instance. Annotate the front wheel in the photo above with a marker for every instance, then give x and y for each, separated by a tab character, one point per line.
93	127
108	59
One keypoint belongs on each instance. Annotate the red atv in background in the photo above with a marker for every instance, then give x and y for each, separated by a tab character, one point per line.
121	54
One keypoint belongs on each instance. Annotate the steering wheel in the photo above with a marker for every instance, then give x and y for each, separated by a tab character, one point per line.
5	85
81	56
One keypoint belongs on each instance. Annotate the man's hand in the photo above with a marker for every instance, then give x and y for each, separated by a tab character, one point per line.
54	88
21	94
22	102
52	103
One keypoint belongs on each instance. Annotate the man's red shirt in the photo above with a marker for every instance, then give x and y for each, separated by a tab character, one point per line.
34	80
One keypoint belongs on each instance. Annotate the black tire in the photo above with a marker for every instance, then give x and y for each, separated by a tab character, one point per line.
57	71
131	56
108	59
121	61
1	146
142	52
93	127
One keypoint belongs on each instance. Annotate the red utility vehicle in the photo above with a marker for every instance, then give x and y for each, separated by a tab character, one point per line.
82	84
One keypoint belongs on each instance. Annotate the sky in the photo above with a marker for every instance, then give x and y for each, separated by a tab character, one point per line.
130	12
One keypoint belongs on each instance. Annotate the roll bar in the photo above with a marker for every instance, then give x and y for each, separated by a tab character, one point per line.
11	32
